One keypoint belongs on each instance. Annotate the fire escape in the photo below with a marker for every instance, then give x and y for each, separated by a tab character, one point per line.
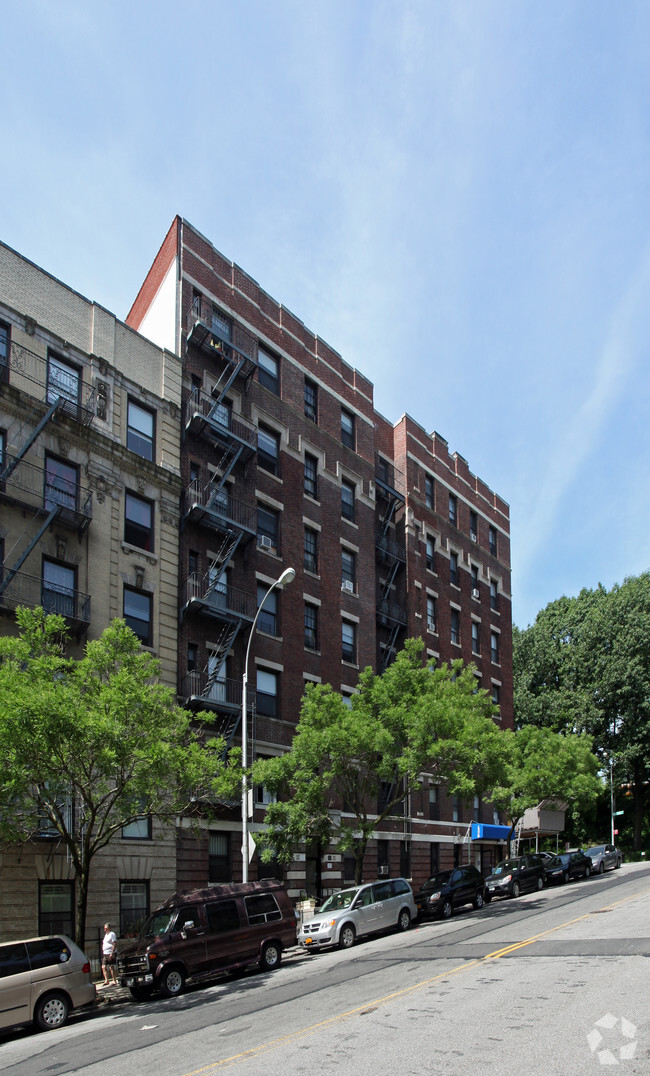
390	555
232	522
51	391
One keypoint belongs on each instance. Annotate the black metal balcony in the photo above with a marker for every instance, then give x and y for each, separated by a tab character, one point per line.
206	416
389	480
200	691
388	551
32	376
207	331
216	599
390	613
215	507
34	487
32	591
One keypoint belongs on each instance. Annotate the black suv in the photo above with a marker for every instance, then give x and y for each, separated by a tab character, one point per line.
511	876
449	889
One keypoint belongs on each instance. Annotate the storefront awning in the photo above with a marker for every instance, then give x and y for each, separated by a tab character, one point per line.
482	832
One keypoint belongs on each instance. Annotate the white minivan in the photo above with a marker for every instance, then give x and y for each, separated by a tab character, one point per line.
365	909
41	980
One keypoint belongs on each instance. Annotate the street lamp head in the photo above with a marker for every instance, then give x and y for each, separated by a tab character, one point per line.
287	576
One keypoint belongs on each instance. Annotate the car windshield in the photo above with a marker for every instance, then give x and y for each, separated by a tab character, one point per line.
506	865
158	923
597	850
339	900
437	880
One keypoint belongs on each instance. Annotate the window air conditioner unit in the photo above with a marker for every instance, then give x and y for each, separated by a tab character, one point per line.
348	585
265	542
383	871
473	536
475	592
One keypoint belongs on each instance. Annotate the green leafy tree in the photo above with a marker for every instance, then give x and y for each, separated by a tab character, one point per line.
89	746
368	757
543	764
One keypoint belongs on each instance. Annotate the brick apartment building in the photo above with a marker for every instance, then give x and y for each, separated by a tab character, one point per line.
286	463
89	523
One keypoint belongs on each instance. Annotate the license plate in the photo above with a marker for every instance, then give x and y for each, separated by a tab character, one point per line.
308	941
130	982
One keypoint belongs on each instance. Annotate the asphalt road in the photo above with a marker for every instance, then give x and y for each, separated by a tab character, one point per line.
556	982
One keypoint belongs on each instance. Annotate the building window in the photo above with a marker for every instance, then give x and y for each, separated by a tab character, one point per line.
268	450
63	380
311	476
434	859
311	626
268	373
456	809
268	525
192	657
347	500
494	595
140	830
453	569
383	851
473	525
494	647
56	908
492	538
428	491
476	637
221	325
138	522
263	796
431	554
349	641
347	428
58	588
434	806
476	593
455	626
268	618
5	343
219	869
137	613
61	483
496	694
477	808
267	693
431	613
311	550
140	430
348	570
453	510
134	907
311	400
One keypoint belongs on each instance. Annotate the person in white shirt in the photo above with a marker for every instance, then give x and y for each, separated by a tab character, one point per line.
109	947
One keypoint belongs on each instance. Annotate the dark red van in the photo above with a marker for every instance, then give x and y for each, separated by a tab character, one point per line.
199	934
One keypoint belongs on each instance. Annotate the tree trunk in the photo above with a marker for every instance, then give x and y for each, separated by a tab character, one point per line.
359	854
82	902
639	780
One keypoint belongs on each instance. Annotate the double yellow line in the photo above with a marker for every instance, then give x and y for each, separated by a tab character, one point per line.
275	1044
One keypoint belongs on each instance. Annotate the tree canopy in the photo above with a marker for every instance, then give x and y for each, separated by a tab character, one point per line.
89	746
368	757
584	665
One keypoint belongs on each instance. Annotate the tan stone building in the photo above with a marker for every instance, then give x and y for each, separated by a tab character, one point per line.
89	524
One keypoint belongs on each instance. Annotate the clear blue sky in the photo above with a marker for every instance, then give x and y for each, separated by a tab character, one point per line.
455	195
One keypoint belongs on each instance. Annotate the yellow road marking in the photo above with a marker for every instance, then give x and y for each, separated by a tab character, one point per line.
274	1044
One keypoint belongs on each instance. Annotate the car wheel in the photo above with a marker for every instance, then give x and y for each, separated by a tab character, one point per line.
587	871
565	877
347	936
479	899
404	920
488	898
141	993
271	956
446	909
618	863
51	1011
516	889
540	883
601	867
172	982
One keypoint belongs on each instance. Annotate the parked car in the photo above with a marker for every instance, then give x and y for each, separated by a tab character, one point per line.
42	980
604	856
365	909
568	865
511	876
450	889
200	934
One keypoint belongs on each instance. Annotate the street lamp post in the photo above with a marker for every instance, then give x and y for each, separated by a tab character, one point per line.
288	575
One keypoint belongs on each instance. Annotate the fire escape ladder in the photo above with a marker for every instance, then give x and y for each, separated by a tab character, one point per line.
219	654
228	377
390	649
389	580
11	572
34	435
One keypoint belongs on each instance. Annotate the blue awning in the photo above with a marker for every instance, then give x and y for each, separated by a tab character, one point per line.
481	832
